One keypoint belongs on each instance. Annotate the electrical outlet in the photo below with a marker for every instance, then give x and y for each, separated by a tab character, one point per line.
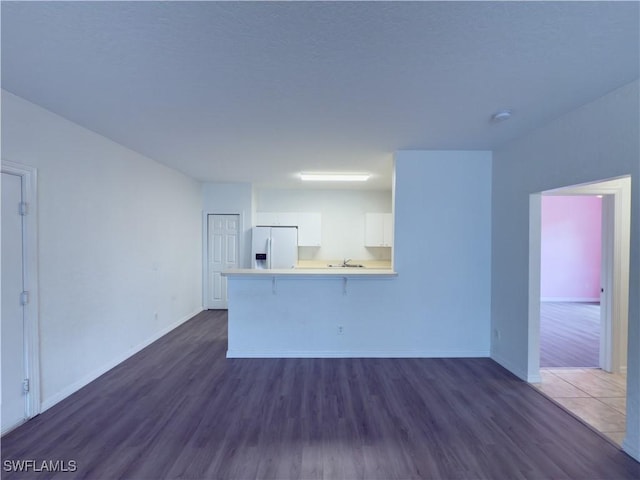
340	329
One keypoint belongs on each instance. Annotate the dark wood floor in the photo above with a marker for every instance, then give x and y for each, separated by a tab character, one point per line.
179	409
569	334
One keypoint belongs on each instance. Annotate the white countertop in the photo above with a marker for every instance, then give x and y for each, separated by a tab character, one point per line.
350	272
320	264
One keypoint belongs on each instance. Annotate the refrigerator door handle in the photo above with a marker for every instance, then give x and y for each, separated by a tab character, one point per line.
270	251
267	250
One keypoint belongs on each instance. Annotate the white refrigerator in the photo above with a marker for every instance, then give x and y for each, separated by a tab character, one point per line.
274	247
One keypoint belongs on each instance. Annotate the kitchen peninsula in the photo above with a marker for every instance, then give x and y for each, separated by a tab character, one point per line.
300	312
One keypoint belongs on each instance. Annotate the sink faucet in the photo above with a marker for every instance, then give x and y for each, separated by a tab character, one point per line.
345	262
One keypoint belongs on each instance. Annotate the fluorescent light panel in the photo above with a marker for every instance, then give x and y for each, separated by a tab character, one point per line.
335	177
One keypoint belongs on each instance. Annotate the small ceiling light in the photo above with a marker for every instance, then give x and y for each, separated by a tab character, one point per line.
501	116
335	177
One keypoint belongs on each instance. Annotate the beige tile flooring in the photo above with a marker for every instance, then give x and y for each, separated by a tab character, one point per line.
593	395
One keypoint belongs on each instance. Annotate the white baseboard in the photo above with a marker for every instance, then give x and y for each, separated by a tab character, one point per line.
357	354
74	387
517	371
8	429
571	299
632	447
534	378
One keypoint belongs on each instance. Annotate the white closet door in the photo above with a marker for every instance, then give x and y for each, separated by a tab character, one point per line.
13	352
223	253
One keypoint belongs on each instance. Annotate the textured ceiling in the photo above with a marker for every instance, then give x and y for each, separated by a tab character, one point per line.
258	91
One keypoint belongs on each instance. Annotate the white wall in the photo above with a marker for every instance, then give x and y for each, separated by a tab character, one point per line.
119	242
342	219
438	305
442	245
597	141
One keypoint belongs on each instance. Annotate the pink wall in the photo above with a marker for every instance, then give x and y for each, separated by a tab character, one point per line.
571	239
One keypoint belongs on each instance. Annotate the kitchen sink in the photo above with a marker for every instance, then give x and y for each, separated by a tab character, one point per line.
349	265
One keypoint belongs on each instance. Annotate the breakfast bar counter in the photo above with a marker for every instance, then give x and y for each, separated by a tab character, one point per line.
305	312
350	272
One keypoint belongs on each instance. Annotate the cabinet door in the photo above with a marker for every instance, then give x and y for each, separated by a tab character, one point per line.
309	229
288	219
277	219
387	233
378	230
266	219
374	230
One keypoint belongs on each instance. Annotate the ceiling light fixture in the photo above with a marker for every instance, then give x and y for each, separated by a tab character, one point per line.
335	177
501	115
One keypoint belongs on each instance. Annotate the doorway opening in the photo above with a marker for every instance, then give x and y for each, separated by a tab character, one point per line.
570	281
592	387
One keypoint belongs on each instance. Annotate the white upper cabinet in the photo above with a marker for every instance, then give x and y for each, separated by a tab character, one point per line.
277	219
378	230
309	229
309	225
267	219
288	219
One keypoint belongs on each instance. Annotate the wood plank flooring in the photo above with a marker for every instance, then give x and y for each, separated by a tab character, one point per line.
569	334
180	409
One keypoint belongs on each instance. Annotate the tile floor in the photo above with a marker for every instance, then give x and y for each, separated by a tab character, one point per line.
595	396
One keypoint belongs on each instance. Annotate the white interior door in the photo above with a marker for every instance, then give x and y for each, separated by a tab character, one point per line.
223	252
607	344
13	341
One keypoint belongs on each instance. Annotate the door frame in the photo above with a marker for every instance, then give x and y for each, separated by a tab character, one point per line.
205	250
617	214
29	177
